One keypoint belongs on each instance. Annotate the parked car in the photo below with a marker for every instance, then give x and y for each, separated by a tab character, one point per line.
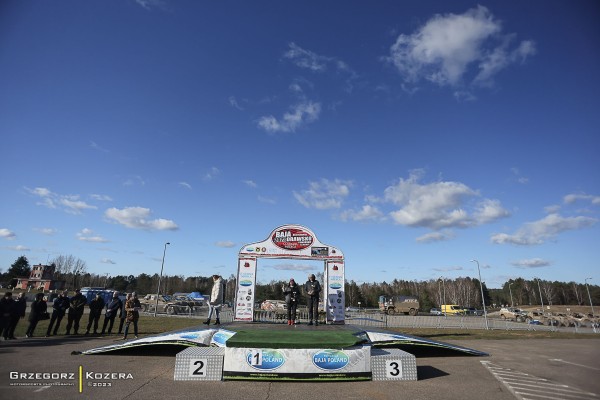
435	311
166	304
513	314
473	311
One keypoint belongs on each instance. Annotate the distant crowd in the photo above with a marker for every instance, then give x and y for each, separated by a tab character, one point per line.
12	310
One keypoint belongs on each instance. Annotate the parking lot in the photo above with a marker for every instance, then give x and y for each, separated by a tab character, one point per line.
548	368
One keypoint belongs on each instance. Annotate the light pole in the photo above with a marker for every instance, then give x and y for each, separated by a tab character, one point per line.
444	297
160	278
590	297
510	290
482	296
540	290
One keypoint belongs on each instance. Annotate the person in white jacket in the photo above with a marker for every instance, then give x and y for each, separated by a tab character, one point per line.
216	299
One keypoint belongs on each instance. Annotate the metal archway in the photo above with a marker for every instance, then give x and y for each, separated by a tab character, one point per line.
292	242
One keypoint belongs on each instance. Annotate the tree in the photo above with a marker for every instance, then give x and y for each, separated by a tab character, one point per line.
18	269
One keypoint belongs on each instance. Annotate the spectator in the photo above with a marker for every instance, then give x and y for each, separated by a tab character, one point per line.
113	308
312	287
96	307
123	314
6	307
76	309
38	308
60	305
216	299
292	296
133	307
19	308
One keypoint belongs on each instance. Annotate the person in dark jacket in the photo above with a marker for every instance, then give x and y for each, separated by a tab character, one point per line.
6	307
123	315
38	307
76	309
60	305
292	297
312	287
96	307
18	312
113	308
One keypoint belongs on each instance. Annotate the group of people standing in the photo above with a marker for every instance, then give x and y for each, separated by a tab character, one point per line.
12	310
291	290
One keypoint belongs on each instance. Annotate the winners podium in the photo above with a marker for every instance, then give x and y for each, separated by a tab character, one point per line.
294	355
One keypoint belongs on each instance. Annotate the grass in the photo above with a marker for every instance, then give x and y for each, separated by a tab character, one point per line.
149	325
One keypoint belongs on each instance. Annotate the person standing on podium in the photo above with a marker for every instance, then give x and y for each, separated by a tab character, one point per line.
292	296
312	287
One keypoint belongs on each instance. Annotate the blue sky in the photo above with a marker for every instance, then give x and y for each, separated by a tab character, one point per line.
414	136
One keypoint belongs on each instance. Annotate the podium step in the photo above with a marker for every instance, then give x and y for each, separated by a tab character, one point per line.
353	364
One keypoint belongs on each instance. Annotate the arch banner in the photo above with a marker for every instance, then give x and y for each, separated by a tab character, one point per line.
292	242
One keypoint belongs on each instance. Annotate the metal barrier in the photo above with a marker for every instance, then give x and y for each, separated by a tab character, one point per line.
454	322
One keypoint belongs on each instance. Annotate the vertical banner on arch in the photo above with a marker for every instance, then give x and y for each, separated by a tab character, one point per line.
246	288
335	300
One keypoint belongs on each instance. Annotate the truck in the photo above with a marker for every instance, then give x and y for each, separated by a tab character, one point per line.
399	304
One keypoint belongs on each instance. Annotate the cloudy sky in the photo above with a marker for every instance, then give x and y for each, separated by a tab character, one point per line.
414	136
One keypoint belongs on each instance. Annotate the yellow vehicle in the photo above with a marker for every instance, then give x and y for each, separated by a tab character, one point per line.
452	309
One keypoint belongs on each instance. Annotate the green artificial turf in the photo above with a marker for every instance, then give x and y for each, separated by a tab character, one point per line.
293	339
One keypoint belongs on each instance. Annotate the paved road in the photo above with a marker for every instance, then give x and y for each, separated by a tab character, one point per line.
570	369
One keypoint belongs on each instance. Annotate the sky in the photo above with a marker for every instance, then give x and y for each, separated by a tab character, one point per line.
415	136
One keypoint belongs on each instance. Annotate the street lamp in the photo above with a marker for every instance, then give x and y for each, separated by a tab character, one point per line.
482	296
444	297
590	297
510	290
160	278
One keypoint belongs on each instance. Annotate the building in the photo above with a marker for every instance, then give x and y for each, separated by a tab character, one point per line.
41	278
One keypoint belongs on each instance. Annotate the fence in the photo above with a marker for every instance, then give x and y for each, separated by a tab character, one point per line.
381	320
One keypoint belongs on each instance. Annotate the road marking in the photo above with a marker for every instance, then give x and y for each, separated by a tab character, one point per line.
529	387
577	365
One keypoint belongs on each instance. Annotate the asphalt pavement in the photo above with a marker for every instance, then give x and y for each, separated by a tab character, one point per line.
45	368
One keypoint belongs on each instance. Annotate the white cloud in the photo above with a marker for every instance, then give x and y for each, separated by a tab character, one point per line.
250	183
306	59
137	218
489	211
107	261
46	231
226	244
438	205
300	114
134	180
96	146
7	234
185	185
266	200
74	206
545	229
101	197
366	213
87	235
324	194
234	103
211	174
69	203
572	198
150	4
436	237
19	248
444	49
531	263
